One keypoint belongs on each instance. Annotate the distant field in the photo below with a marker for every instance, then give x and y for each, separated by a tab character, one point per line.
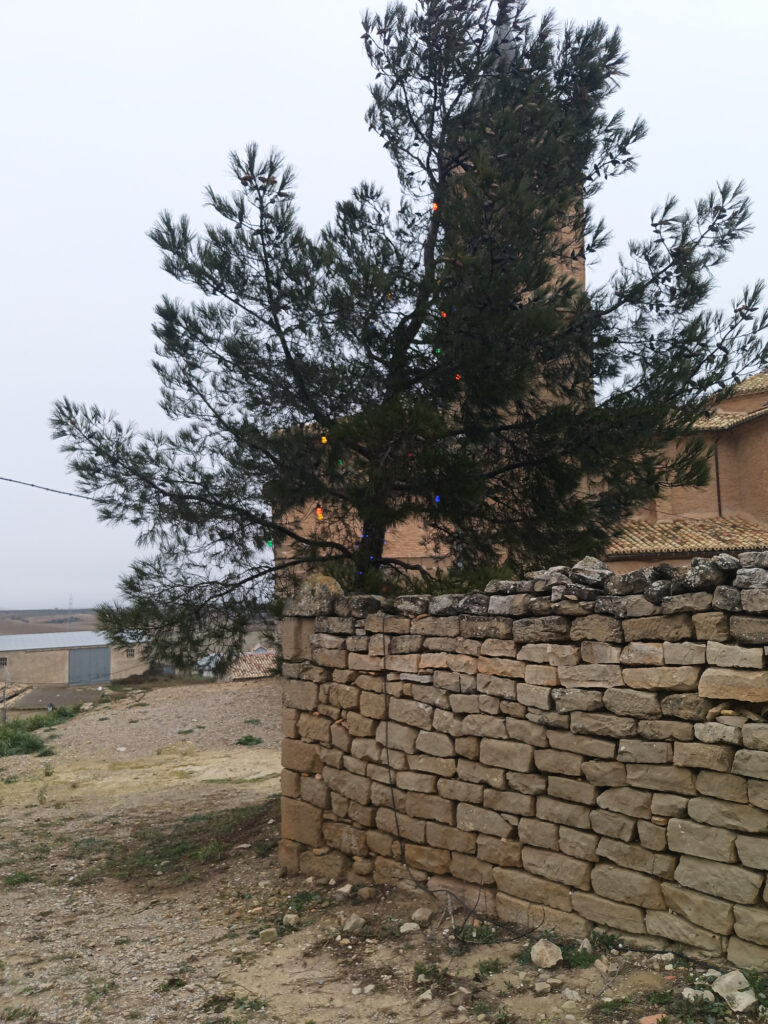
46	620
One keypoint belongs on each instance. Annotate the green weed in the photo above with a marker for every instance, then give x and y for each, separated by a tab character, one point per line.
252	721
486	968
248	741
437	977
97	990
17	737
18	878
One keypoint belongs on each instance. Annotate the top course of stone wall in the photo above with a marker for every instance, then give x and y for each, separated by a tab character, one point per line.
574	749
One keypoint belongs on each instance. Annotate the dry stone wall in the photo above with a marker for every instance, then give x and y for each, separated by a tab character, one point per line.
572	750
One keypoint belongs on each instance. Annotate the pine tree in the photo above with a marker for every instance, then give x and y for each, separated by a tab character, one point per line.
439	359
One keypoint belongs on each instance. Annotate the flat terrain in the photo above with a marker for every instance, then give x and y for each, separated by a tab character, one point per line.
138	875
46	620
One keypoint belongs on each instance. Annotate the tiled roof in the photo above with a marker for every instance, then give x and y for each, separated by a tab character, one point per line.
688	536
721	420
753	385
254	666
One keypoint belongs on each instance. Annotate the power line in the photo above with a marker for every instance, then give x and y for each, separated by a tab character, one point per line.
39	487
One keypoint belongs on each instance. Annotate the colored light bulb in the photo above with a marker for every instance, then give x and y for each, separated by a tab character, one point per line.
458	376
323	439
435	206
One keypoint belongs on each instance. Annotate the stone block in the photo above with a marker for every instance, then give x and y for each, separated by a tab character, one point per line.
416	782
314	729
296	638
645	752
755	602
626	702
602	725
290	784
301	822
472	771
476	628
685	653
717	732
447	722
444	626
697	602
731	656
705	911
489	726
534	696
576	843
657	730
635	803
604	773
609	913
592	677
446	838
517	757
625	886
549	654
527	732
467	746
734	684
504	853
444	766
426	858
679	679
626	855
471	869
533	832
359	725
314	791
471	818
406	644
397	736
751	924
579	700
300	757
526	916
652	837
353	787
722	786
410	712
726	881
747	954
509	604
639	654
610	823
400	825
677	929
457	789
422	805
666	778
603	628
500	649
372	705
701	841
660	627
557	867
299	693
509	802
711	626
290	722
543	629
753	851
755	735
558	762
596	653
541	675
669	805
571	789
752	763
586	745
562	813
724	814
748	630
529	887
703	755
504	668
435	744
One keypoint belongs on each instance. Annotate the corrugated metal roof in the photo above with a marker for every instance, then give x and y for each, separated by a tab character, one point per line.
51	641
685	536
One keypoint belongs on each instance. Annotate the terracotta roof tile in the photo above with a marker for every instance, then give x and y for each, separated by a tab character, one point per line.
722	420
753	385
688	536
253	666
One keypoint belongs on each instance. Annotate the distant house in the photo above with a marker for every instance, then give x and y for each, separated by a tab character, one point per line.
730	513
257	664
82	658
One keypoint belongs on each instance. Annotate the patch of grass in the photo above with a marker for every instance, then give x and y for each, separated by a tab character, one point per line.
24	1013
249	741
172	982
184	732
18	878
97	990
179	849
486	968
17	737
478	933
9	779
252	721
438	978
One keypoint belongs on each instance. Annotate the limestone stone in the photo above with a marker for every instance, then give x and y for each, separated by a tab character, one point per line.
457	789
587	745
406	644
656	730
670	926
530	887
558	762
422	805
632	703
701	841
726	881
755	576
609	823
314	791
642	654
706	911
752	763
576	843
397	736
524	915
579	700
557	867
534	696
747	954
604	773
753	852
603	628
755	735
602	725
411	712
505	853
731	656
685	653
471	771
527	732
717	732
609	913
734	684
645	752
300	757
472	627
680	679
626	855
635	803
290	783
596	653
722	786
435	743
509	604
570	789
533	832
499	649
353	787
505	668
711	626
751	924
755	601
447	722
544	629
446	838
700	602
549	654
758	793
401	825
561	812
667	778
724	814
484	725
508	803
416	782
593	676
669	805
427	858
627	887
660	627
359	725
749	630
471	869
652	837
703	755
517	757
301	822
541	675
467	746
314	728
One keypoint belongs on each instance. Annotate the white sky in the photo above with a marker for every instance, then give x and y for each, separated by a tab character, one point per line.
113	112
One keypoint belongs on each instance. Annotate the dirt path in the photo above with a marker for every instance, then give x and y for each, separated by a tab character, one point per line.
138	883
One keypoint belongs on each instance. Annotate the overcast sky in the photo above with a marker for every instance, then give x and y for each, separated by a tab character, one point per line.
113	112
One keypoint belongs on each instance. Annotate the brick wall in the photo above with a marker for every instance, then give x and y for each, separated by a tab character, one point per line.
575	749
